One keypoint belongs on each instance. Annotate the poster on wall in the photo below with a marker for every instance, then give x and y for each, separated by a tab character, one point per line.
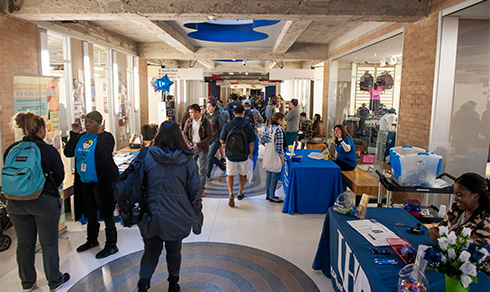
40	94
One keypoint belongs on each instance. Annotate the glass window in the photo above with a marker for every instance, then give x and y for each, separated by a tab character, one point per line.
461	126
364	93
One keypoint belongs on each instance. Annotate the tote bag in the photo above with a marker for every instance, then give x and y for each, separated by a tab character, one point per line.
272	161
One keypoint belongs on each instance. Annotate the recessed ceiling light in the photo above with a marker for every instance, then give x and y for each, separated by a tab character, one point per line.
231	73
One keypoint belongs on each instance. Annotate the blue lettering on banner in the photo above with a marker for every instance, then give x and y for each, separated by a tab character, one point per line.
348	277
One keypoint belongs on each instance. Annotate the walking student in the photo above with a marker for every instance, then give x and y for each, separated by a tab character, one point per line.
217	122
174	203
198	134
38	216
95	176
238	136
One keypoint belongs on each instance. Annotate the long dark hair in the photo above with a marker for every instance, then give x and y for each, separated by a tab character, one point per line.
344	132
476	184
170	137
316	120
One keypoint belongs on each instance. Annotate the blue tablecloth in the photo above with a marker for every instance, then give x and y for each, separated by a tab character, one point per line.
311	186
343	254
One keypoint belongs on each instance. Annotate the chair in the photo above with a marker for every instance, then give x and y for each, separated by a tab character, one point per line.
320	146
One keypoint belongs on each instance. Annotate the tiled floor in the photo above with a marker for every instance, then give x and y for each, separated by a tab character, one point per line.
253	222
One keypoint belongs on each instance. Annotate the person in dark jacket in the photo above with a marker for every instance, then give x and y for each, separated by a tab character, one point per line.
217	122
174	204
42	215
198	134
95	176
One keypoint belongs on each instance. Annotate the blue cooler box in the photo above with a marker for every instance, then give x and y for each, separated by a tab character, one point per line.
413	166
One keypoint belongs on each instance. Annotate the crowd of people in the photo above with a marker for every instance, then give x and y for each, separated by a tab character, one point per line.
178	165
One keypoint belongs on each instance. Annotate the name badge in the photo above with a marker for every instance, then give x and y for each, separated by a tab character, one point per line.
83	167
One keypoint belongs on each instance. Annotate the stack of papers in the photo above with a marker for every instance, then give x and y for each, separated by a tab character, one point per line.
375	232
316	155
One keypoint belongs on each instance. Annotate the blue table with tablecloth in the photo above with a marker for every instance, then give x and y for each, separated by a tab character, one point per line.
311	185
343	254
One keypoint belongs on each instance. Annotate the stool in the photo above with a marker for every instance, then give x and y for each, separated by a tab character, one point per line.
320	146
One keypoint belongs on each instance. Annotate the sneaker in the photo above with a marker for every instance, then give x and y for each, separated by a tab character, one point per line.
87	245
240	197
29	289
223	161
64	278
107	251
173	287
231	202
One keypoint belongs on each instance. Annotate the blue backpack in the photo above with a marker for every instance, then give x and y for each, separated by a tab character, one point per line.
23	177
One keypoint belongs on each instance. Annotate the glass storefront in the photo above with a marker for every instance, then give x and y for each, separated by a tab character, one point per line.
461	126
364	94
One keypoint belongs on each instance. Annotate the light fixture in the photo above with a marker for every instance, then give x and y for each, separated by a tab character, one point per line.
231	73
246	73
212	17
86	77
392	61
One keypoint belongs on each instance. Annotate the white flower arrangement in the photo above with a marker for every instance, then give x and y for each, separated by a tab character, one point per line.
457	256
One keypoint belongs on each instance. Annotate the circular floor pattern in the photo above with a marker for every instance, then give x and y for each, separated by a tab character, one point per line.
217	187
206	266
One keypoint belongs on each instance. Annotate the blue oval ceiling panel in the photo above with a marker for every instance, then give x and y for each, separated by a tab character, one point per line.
229	31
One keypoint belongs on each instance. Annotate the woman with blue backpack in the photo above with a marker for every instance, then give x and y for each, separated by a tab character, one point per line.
35	208
95	175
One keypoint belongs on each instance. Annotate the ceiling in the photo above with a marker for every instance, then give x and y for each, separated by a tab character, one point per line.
156	31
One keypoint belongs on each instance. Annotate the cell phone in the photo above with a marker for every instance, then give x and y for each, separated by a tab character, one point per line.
380	251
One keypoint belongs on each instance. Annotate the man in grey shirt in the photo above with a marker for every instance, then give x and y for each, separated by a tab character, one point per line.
292	120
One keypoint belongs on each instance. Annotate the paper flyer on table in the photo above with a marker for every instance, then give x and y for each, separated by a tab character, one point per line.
375	232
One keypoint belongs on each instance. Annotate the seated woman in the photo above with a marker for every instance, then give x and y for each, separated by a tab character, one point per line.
471	209
346	156
319	132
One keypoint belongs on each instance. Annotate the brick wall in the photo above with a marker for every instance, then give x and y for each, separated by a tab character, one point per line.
19	53
419	54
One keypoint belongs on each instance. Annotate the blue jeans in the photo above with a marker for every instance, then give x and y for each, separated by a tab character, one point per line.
271	184
202	158
291	137
212	158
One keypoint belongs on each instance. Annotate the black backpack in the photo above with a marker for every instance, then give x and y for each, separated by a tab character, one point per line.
130	192
249	117
236	142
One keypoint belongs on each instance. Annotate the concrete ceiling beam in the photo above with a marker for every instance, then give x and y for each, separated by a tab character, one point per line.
207	63
381	10
291	31
173	38
300	52
93	33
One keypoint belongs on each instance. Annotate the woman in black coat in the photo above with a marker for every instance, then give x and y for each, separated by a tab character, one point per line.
95	176
174	203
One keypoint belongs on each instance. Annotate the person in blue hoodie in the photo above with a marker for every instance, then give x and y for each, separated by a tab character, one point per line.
346	156
174	203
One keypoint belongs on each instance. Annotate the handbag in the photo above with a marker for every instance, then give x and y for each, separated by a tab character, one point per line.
272	161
